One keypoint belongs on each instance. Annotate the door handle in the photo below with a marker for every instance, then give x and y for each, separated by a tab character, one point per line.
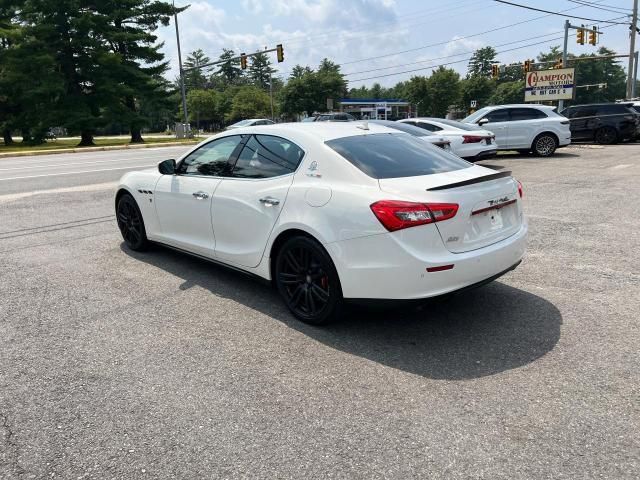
269	201
201	195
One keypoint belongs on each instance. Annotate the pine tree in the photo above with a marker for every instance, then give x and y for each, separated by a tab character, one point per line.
260	70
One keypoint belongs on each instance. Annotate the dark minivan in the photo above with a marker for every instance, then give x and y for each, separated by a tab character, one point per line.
605	123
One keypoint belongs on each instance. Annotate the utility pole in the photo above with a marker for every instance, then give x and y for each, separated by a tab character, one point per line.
635	76
564	56
182	87
632	48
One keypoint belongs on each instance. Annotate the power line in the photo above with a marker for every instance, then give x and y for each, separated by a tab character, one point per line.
448	56
457	39
459	61
603	6
556	13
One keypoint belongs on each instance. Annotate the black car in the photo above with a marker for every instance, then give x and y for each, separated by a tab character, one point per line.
606	123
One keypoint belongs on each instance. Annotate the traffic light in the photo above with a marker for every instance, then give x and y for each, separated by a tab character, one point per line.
280	53
495	70
593	36
527	66
558	63
243	61
580	36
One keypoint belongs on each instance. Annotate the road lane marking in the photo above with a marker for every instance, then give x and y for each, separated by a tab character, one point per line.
55	165
75	173
79	188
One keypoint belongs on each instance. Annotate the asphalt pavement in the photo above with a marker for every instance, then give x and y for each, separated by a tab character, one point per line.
116	364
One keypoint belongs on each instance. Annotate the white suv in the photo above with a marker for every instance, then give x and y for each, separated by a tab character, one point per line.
525	128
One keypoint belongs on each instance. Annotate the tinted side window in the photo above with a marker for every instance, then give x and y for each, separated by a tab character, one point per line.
393	155
584	112
210	159
526	114
265	156
428	126
498	115
612	110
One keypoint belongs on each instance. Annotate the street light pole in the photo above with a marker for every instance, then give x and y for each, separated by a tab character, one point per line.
632	48
182	86
271	93
564	56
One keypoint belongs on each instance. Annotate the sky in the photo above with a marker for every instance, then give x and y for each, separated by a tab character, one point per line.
370	38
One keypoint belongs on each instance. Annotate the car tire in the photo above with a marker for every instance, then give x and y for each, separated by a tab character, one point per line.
308	281
544	145
606	136
131	223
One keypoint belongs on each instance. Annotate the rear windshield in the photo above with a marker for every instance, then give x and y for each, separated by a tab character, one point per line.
394	155
453	123
404	127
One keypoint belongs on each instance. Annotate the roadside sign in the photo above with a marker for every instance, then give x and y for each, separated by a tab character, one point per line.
474	103
545	85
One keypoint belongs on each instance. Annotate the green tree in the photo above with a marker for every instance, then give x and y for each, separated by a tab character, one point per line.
249	102
228	73
477	87
299	71
507	92
202	106
481	61
260	71
106	57
415	91
443	90
196	78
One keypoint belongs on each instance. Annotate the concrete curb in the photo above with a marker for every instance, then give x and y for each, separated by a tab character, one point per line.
95	149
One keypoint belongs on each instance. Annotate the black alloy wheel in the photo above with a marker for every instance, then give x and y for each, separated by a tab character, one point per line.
545	145
606	136
308	282
130	223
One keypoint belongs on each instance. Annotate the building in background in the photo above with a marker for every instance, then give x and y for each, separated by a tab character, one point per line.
376	108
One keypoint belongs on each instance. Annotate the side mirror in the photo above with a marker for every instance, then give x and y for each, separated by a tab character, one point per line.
483	121
167	167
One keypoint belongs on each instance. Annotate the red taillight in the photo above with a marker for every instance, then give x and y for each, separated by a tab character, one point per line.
472	139
520	192
396	214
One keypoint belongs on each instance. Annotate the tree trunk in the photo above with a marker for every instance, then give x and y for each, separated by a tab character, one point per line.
86	139
136	135
6	135
26	135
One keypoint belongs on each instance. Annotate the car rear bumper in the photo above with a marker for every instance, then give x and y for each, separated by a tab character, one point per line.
384	266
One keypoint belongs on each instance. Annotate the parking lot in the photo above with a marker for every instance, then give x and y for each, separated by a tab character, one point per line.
115	364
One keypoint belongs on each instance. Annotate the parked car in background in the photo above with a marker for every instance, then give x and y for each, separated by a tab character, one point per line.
467	141
604	123
432	138
335	117
524	127
330	212
252	122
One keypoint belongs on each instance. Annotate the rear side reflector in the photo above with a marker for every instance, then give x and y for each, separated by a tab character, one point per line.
439	268
396	214
520	191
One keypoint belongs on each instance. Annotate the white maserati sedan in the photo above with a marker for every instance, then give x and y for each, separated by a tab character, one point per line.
330	212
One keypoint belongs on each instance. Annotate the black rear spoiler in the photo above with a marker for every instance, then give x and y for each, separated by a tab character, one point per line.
486	178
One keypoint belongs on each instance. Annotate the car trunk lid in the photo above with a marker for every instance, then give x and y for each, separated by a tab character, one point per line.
489	208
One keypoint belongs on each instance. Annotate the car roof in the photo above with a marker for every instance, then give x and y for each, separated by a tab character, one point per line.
324	131
603	104
522	105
